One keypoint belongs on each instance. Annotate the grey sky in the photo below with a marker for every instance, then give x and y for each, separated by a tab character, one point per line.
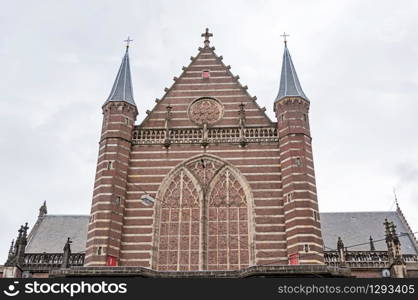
356	60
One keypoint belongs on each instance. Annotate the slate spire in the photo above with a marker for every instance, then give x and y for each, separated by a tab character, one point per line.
122	88
289	81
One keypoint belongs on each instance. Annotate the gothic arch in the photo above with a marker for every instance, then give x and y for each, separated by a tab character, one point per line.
204	217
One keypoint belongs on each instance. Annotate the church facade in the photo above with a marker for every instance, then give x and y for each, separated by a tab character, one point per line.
206	183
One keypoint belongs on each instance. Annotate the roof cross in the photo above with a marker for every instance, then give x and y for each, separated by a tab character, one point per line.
284	35
127	41
207	35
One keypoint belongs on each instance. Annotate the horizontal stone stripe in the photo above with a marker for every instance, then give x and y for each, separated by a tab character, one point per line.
276	193
229	110
269	237
138	222
302	212
232	86
269	220
271	245
138	214
271	228
268	211
301	220
270	203
226	154
296	230
266	262
270	254
138	255
302	239
224	123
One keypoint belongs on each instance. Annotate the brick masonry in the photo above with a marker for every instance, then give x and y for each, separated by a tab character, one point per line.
219	205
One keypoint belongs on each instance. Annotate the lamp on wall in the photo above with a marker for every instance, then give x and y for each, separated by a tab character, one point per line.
147	200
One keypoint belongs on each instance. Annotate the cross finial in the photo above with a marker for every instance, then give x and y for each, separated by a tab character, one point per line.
207	35
284	35
127	41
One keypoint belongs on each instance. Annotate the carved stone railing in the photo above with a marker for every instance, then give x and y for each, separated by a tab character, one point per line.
197	135
49	261
365	259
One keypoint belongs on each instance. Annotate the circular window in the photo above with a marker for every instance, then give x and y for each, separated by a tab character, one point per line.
205	111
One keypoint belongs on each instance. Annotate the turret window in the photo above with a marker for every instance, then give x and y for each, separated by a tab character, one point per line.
118	201
99	251
306	248
281	117
298	162
126	121
289	197
305	117
110	165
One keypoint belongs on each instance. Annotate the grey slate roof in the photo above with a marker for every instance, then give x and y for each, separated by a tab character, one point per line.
352	227
122	87
357	227
51	234
289	81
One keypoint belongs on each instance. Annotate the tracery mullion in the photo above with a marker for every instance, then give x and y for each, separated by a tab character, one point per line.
179	220
228	248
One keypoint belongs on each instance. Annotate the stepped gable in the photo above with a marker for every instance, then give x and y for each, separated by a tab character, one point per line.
221	85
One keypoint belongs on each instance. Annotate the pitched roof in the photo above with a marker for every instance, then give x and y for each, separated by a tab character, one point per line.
52	232
357	227
289	81
122	87
353	227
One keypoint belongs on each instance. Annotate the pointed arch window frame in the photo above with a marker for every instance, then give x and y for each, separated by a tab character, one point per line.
204	207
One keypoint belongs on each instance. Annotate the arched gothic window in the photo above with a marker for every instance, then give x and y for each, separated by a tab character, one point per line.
203	218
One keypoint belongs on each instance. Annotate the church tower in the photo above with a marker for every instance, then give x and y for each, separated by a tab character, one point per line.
301	216
108	204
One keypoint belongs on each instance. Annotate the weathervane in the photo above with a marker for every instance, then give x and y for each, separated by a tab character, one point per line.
207	35
284	35
127	41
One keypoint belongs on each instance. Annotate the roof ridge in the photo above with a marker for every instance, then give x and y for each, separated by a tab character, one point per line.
361	211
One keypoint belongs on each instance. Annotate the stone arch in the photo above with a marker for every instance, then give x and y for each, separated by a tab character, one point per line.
178	210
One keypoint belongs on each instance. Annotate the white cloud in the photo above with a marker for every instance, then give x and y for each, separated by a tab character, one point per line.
355	59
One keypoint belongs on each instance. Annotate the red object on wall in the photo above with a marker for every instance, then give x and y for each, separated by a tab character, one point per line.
294	259
111	261
206	74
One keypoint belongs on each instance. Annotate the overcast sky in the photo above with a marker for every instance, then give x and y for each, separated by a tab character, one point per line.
357	62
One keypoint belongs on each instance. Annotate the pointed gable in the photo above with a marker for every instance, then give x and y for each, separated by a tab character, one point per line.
206	76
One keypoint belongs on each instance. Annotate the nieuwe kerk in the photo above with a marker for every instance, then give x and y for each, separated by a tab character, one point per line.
209	186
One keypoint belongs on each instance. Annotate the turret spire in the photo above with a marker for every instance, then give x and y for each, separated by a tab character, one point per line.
122	88
289	82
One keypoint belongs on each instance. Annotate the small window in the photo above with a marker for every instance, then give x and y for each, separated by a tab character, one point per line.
110	165
92	217
281	118
298	162
99	251
289	197
315	214
305	117
306	248
118	200
206	74
126	121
